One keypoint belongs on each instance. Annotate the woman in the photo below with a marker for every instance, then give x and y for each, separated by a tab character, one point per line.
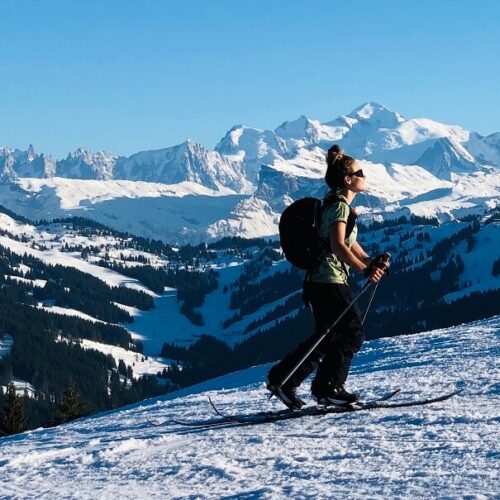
326	289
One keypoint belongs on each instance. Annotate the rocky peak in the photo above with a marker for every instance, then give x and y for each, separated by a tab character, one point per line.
445	157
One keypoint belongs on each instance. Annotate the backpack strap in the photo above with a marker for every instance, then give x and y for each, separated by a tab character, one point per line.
333	197
318	209
329	199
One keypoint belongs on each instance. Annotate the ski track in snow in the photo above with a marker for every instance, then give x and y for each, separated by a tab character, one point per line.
445	450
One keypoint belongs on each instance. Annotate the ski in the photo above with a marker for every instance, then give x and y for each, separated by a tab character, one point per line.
319	411
278	413
227	419
275	416
213	422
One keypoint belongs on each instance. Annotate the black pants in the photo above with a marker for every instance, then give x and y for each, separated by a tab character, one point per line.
333	356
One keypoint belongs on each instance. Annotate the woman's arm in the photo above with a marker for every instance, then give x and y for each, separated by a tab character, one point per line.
360	253
339	248
347	255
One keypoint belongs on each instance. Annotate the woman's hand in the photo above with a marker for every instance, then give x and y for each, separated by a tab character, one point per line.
377	267
374	274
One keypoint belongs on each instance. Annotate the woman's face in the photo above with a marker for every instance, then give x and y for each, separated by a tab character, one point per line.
355	180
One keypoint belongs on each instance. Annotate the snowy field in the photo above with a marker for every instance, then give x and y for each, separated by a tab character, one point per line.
445	450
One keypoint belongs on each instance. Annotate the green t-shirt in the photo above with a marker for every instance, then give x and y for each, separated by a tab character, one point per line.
330	268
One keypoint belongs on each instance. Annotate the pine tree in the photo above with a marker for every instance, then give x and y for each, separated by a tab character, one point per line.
70	407
115	390
122	368
13	418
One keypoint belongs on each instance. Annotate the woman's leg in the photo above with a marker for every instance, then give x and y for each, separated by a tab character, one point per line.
344	343
327	304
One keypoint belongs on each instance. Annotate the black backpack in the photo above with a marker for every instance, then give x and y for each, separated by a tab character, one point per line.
299	230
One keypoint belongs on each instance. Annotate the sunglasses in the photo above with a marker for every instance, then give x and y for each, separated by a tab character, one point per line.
358	173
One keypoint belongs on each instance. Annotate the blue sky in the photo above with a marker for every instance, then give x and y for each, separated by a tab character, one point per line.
131	75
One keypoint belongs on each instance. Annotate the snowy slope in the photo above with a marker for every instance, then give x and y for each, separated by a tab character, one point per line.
46	244
447	450
55	256
176	212
477	275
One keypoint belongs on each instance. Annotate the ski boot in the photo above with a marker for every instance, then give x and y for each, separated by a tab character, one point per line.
334	396
287	395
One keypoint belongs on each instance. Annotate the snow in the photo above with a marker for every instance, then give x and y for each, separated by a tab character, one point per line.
137	361
167	324
421	129
164	324
449	449
302	130
75	193
308	163
485	148
468	192
86	164
14	227
168	212
37	283
185	162
478	263
399	182
250	218
370	110
22	387
67	311
54	256
133	311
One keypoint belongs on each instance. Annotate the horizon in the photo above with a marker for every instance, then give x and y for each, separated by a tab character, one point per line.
125	77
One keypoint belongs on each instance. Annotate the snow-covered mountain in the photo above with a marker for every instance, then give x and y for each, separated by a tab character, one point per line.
390	138
186	162
445	157
252	174
16	163
252	148
447	449
84	164
485	149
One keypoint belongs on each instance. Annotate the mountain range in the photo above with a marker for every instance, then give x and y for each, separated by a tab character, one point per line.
187	193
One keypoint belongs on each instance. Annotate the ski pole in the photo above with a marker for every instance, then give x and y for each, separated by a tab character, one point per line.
385	259
298	365
370	302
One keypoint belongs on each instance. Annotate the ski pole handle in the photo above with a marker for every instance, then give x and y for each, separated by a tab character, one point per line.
381	261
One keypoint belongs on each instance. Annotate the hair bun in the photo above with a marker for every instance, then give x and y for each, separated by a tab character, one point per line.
334	153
